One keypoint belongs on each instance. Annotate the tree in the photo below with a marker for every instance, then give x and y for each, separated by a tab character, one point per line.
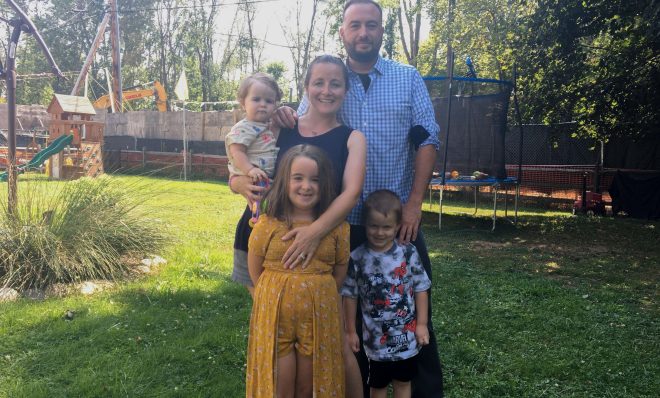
199	42
249	10
301	42
67	28
485	30
277	70
410	12
595	62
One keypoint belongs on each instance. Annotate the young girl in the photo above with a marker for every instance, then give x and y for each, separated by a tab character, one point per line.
295	346
250	145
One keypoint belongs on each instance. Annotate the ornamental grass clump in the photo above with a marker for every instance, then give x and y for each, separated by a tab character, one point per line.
74	231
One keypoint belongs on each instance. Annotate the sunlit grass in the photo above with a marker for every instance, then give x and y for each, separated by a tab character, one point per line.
554	306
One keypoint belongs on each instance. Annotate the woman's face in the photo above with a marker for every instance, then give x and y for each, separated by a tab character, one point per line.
327	88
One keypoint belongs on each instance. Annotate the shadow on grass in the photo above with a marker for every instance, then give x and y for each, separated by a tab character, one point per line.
159	341
562	306
620	252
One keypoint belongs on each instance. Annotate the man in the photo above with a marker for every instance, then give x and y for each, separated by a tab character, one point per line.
389	103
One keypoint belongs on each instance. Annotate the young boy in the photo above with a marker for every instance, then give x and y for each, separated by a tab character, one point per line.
392	285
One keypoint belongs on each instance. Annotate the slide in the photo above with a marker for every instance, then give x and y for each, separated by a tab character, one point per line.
55	147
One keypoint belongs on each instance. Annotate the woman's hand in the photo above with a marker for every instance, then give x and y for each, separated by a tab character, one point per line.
244	186
305	242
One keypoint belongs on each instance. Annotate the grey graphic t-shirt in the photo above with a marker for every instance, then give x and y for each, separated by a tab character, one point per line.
386	283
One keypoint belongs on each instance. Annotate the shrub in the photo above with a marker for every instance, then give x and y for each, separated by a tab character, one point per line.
73	231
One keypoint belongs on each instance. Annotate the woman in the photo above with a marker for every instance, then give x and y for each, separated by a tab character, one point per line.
326	85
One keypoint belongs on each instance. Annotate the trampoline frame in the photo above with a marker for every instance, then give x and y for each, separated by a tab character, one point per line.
494	183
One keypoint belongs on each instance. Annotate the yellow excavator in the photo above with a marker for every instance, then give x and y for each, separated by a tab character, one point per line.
132	93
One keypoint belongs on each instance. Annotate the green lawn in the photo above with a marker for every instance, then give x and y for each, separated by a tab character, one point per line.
555	306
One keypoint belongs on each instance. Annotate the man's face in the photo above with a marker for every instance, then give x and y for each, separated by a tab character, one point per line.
362	32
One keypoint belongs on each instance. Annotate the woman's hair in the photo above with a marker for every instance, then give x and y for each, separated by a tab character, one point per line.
263	78
384	202
327	59
277	202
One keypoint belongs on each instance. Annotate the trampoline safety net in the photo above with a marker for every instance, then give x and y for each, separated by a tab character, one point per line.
477	126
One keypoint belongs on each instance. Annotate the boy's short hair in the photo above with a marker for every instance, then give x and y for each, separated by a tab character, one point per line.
383	201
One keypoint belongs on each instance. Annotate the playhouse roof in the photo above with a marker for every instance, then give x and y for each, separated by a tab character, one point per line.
71	104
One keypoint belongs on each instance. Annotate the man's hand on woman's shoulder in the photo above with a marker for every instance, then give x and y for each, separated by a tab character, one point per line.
284	117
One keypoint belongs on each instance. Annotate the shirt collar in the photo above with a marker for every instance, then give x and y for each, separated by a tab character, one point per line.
379	66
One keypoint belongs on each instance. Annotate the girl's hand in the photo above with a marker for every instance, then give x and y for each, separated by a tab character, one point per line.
303	248
422	335
244	186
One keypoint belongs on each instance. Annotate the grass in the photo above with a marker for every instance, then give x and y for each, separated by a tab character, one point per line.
555	306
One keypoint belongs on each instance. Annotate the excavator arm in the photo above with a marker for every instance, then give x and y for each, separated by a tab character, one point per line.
158	91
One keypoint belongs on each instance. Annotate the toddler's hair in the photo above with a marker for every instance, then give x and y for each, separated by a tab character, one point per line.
278	204
263	78
384	202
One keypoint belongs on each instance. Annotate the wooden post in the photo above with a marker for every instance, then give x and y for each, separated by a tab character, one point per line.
116	60
90	55
12	198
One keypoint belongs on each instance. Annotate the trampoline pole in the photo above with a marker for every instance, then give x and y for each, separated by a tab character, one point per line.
450	78
520	125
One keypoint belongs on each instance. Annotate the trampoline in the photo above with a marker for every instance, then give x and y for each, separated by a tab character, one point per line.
472	113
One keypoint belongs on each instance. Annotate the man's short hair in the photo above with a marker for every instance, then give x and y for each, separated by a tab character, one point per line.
384	202
353	2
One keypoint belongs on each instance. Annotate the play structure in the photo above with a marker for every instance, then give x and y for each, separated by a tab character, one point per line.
71	116
40	158
473	118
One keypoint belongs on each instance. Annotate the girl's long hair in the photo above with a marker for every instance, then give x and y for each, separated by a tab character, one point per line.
277	201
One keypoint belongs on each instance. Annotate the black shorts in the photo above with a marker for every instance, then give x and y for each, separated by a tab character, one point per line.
382	373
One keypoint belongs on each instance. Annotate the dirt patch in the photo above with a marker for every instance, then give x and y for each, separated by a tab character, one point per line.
479	245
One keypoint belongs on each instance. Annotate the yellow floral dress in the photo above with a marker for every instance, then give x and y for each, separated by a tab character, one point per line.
282	297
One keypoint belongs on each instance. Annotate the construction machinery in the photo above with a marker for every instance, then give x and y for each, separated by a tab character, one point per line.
154	89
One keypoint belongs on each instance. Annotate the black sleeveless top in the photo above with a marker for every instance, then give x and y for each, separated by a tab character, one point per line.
334	143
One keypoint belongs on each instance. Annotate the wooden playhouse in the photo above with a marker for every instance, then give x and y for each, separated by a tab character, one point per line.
73	115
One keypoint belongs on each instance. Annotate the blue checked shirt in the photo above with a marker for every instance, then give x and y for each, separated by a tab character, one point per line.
397	100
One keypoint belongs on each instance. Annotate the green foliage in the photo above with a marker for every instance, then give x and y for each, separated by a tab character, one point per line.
78	230
276	69
595	62
390	37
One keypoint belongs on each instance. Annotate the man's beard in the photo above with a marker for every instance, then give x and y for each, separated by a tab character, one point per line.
368	56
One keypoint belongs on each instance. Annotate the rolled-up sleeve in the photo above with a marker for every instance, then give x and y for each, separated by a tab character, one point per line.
423	113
